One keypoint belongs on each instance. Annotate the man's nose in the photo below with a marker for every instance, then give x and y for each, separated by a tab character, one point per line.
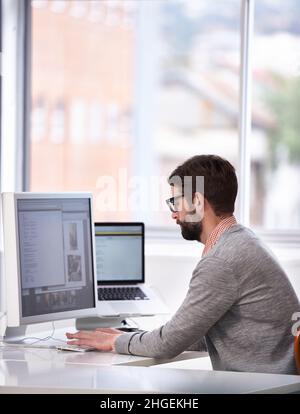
175	215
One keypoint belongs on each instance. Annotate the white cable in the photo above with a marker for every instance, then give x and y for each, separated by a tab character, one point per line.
40	339
36	339
56	339
44	339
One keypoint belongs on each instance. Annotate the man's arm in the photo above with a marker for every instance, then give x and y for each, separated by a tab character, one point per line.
199	346
212	291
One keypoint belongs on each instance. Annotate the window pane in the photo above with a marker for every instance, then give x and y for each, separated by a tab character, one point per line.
124	91
276	122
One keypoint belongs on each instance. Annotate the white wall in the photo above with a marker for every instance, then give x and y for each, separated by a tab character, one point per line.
170	276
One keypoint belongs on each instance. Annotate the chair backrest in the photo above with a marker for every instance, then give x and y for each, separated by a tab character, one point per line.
297	351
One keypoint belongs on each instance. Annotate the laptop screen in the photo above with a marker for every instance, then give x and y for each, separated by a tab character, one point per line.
119	252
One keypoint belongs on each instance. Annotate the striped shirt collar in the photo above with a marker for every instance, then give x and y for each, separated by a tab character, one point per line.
217	232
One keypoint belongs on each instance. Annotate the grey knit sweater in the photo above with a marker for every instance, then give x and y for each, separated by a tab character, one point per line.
238	307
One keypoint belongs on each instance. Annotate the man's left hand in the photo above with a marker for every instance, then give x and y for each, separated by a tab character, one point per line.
102	339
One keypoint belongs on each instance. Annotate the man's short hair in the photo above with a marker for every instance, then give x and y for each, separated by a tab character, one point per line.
220	181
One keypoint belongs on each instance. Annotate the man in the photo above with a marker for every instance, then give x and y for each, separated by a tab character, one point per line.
239	304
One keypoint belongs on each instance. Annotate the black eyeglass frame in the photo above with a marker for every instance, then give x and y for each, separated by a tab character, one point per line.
171	203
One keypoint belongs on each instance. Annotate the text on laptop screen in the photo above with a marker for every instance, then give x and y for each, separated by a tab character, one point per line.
119	253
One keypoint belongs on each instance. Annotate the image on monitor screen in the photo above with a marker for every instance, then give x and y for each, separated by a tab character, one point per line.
55	255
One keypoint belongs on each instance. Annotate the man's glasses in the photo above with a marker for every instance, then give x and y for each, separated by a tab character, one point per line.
172	204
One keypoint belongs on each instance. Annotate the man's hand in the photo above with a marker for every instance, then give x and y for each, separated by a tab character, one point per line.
102	339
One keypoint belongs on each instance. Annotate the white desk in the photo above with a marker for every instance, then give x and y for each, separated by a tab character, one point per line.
36	370
33	356
51	371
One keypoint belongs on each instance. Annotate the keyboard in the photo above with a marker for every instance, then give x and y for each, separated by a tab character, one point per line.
121	293
76	348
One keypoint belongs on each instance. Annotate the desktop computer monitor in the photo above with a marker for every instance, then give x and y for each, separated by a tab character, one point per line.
49	262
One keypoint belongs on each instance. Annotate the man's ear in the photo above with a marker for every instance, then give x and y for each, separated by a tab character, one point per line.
198	201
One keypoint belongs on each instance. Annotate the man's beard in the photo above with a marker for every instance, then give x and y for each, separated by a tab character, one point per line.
191	230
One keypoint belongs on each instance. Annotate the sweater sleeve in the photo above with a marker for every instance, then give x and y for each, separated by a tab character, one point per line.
199	346
212	291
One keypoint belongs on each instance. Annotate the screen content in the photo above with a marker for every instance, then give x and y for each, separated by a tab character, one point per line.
119	253
56	255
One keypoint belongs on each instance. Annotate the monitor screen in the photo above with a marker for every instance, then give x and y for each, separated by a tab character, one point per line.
119	252
55	255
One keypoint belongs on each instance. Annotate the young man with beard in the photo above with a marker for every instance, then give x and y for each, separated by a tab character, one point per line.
239	304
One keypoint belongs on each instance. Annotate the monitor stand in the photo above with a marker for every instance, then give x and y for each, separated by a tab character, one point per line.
18	336
15	335
101	322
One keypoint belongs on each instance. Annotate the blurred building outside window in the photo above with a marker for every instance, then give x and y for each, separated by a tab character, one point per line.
124	91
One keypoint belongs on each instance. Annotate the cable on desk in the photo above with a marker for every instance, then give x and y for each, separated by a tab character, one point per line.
47	338
40	339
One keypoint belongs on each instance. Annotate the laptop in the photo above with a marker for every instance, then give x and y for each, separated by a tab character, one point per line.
120	261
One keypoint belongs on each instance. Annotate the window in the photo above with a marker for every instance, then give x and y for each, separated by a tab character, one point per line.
123	91
38	120
57	129
111	82
275	120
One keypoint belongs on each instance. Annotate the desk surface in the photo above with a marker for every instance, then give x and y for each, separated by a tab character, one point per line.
37	370
61	358
51	371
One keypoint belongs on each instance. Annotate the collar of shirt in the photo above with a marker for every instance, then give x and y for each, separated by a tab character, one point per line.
217	232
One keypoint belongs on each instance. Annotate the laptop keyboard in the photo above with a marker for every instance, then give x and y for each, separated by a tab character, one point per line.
121	293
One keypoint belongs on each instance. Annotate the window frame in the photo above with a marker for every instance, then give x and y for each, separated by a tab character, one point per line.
15	170
15	94
1	26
